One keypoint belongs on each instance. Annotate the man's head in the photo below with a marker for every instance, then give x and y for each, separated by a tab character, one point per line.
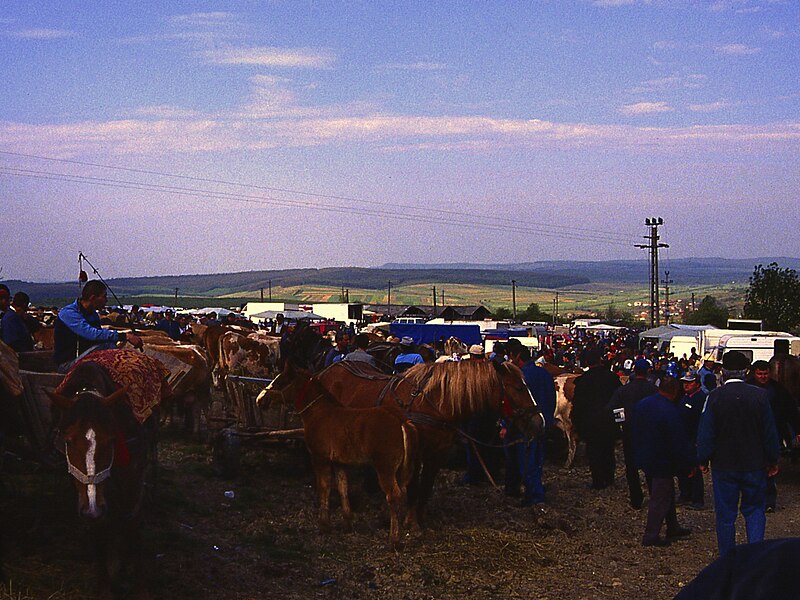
734	365
407	344
760	370
592	357
670	388
168	314
21	301
690	382
5	296
641	367
94	295
362	341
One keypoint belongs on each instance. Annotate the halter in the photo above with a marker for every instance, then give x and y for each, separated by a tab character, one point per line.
89	479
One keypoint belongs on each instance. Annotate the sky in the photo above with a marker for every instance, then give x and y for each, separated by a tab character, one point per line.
162	137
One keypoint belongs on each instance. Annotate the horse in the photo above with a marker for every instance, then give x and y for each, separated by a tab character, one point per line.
435	397
110	453
335	436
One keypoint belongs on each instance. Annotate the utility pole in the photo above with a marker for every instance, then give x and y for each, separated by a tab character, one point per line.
434	302
441	297
262	294
176	294
514	299
389	302
667	312
270	290
347	295
555	315
653	246
694	308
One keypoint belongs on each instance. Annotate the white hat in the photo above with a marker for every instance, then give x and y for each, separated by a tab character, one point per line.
476	349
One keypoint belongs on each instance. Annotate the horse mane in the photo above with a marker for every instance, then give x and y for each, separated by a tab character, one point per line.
457	388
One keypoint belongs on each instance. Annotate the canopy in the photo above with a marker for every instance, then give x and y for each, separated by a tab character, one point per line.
428	334
221	312
293	315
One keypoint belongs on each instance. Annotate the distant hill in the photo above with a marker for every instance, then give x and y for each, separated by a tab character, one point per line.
540	274
682	270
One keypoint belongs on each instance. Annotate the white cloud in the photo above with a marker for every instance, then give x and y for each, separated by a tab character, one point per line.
644	108
671	82
272	57
417	66
736	49
164	111
708	107
204	19
41	34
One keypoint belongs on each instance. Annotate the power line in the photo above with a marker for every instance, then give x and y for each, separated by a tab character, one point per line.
270	201
568	229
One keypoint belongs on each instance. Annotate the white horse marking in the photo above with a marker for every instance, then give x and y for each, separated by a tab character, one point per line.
91	489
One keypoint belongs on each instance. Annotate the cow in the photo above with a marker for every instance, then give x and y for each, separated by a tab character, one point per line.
190	381
565	391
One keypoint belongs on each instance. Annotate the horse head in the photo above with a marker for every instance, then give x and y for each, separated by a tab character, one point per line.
89	430
518	404
284	387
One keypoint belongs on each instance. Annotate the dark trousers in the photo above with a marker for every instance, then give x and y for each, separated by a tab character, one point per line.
524	463
661	508
632	474
601	462
691	489
772	492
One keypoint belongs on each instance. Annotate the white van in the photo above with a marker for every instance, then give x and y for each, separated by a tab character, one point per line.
755	346
683	344
410	320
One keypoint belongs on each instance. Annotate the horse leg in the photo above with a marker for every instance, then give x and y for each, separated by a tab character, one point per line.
388	482
344	496
324	476
572	445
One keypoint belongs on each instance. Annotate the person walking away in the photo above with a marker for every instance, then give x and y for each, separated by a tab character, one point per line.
786	418
593	421
525	459
408	357
625	399
360	354
77	328
691	489
662	451
737	435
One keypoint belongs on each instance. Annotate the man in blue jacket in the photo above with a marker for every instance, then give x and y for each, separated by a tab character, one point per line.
15	324
78	331
737	435
525	460
662	451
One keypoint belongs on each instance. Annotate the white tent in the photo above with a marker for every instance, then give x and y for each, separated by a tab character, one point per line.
221	312
603	327
294	315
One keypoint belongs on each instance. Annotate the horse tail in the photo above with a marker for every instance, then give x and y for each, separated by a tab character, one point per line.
408	465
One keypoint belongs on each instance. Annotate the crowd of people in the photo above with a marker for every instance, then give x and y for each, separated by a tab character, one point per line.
676	416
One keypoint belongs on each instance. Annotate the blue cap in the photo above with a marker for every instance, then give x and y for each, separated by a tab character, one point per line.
642	364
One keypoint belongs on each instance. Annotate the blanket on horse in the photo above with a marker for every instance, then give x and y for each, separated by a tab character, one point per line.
142	375
9	370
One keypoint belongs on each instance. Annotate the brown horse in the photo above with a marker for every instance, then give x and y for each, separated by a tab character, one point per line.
109	456
335	436
436	397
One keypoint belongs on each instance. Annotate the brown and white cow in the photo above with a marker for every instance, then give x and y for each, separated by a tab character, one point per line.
565	392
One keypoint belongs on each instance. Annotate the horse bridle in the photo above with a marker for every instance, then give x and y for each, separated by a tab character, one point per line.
85	478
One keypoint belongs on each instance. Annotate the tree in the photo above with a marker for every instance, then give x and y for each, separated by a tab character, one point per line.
534	313
773	297
709	312
502	314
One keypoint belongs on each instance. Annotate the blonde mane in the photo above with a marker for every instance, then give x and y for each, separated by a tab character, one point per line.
458	388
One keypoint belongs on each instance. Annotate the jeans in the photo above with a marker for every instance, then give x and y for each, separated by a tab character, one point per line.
525	462
729	488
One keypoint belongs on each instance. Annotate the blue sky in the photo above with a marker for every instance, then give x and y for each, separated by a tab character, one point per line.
189	137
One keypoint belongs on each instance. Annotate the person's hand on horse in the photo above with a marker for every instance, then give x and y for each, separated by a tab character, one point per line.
135	341
703	469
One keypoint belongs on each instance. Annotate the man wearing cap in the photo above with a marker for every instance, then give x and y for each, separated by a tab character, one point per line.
593	421
360	354
707	375
737	435
692	490
78	331
476	352
408	357
623	403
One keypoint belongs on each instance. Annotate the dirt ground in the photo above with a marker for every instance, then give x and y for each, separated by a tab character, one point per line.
264	542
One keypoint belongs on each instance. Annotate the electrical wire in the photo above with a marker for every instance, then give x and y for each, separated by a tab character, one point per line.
610	236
